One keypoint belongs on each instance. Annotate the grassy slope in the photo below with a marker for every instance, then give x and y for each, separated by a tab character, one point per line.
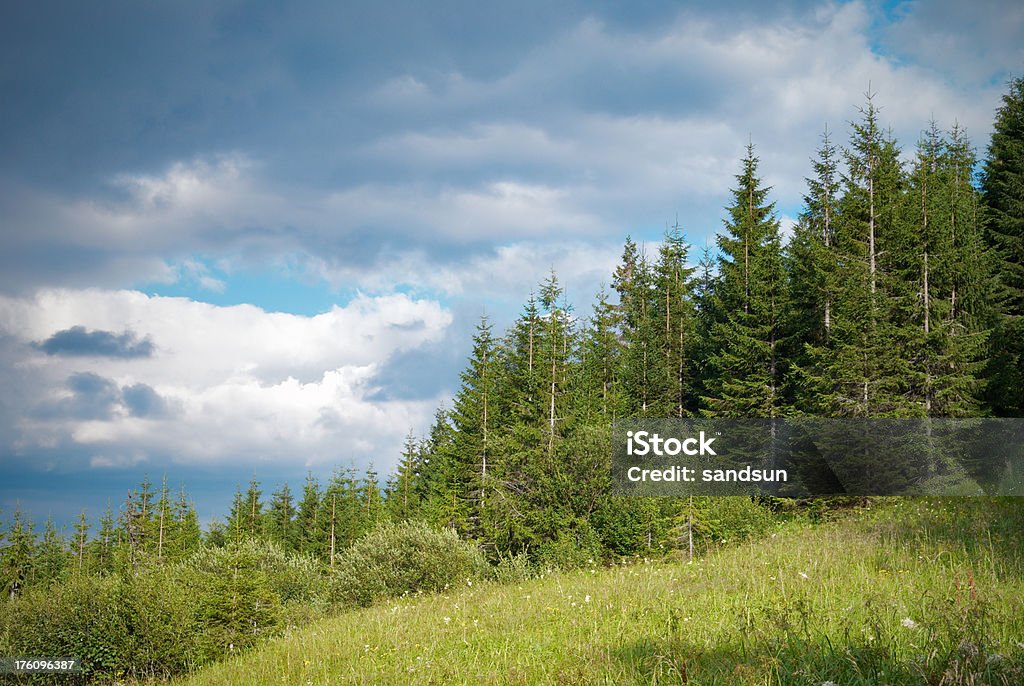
917	591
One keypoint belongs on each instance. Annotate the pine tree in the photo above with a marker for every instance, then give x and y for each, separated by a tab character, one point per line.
862	370
373	502
811	259
186	534
78	545
1003	210
51	556
17	557
236	524
596	387
146	525
164	521
280	518
473	413
933	270
403	499
747	367
106	541
251	515
674	319
643	378
556	345
308	519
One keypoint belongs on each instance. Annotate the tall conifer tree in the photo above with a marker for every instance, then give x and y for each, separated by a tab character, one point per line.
1003	198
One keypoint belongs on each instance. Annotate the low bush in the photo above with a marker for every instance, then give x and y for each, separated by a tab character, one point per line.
574	547
136	626
397	559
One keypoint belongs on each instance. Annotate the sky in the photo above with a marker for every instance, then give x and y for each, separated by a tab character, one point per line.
248	239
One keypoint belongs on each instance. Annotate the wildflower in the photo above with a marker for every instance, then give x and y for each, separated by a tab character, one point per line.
909	623
828	683
447	619
804	576
586	599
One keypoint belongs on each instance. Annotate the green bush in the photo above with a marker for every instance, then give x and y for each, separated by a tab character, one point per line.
397	559
140	626
513	569
731	519
237	604
292	577
573	548
158	612
79	618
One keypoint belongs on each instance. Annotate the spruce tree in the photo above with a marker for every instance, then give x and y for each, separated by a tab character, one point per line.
79	549
936	275
51	555
403	499
187	535
674	320
1002	188
17	557
643	362
596	387
473	418
280	518
307	522
747	368
811	255
862	369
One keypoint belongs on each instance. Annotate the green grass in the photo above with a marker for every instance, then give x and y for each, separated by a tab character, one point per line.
912	592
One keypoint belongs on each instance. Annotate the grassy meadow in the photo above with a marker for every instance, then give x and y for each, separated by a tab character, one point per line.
914	591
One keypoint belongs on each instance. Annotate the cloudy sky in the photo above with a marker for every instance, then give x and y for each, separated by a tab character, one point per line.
245	238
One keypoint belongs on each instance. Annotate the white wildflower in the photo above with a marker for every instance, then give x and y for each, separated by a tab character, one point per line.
804	576
586	599
909	623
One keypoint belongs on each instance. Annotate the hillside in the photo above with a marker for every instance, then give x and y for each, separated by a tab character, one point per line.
909	592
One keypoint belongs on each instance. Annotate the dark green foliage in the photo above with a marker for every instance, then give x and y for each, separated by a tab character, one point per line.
1003	211
236	602
746	366
16	558
280	518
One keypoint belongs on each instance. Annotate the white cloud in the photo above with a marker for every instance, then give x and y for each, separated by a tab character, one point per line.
244	385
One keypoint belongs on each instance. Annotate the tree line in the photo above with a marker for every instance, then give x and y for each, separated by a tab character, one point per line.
899	293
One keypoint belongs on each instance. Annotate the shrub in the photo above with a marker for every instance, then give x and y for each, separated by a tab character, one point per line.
513	569
79	617
396	559
133	626
733	518
292	577
573	548
158	612
237	604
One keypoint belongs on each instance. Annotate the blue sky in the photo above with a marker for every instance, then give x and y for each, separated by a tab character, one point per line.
254	237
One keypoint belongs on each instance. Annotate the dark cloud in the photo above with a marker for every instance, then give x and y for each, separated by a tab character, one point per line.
79	342
142	401
95	397
92	397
